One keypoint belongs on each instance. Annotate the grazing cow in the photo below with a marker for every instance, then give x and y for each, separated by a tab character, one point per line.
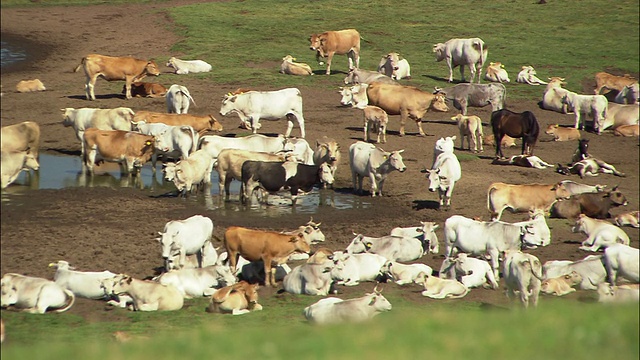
622	260
407	101
443	175
376	120
21	137
589	166
530	161
147	295
34	295
593	205
214	144
360	76
237	299
425	232
628	95
462	52
197	122
528	76
115	68
367	160
612	82
404	273
84	284
290	67
591	270
332	310
562	133
188	66
314	278
13	162
393	248
252	106
561	285
575	188
517	125
471	272
595	105
175	142
496	73
631	219
327	151
185	237
229	165
276	176
267	246
145	89
523	273
522	198
490	237
507	141
627	131
620	115
618	294
471	127
437	288
198	282
189	173
129	149
553	95
24	86
394	67
476	95
102	119
177	99
359	267
339	42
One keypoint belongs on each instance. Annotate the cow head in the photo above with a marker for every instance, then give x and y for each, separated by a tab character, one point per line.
121	284
439	102
357	245
152	68
395	159
170	240
317	44
312	232
326	174
330	148
214	124
66	116
171	62
435	180
445	145
439	50
224	276
379	302
299	243
9	291
561	191
529	236
428	231
228	104
616	197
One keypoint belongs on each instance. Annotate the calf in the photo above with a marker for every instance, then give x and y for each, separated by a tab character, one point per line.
290	67
628	219
178	99
561	133
612	82
131	150
472	272
523	273
596	105
34	295
600	233
442	177
394	67
622	260
236	299
561	285
404	273
591	269
145	89
437	288
471	127
82	283
148	295
507	141
24	86
333	310
595	205
376	120
528	76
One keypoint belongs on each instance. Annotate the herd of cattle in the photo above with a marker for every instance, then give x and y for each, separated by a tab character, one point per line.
473	248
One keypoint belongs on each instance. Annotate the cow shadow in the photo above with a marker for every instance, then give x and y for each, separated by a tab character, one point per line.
425	204
333	72
438	78
67	152
102	97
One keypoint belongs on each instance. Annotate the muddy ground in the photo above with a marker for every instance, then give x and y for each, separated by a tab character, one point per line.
113	228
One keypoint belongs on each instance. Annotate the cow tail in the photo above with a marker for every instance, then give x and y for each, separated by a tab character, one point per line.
72	300
80	65
538	275
489	192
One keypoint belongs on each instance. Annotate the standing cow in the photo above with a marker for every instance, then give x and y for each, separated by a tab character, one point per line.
462	52
340	42
178	99
102	119
185	237
368	160
476	95
443	175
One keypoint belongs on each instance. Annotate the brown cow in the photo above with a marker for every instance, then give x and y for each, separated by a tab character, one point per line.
145	89
407	101
627	130
30	86
521	198
197	122
631	219
21	137
612	82
113	68
119	146
237	299
562	133
594	205
268	246
507	141
340	42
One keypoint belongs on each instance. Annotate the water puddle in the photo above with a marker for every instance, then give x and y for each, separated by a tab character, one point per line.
60	172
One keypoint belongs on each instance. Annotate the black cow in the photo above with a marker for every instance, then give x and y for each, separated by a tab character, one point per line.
275	176
594	205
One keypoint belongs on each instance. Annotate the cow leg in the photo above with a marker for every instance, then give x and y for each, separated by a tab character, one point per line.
383	129
374	186
462	74
128	87
449	64
535	291
495	262
404	114
472	70
90	159
329	58
524	296
366	130
419	125
289	125
353	179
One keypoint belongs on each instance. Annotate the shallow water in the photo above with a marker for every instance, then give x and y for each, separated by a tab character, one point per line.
60	172
10	54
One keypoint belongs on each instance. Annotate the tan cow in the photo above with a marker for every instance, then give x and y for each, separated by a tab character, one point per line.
612	82
268	246
471	127
128	148
562	133
237	299
496	73
561	285
30	85
627	130
197	122
631	218
507	141
290	67
20	137
145	89
343	42
148	295
523	198
113	68
12	164
376	120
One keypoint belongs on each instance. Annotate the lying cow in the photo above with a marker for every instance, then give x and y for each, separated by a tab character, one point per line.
600	233
198	282
496	73
507	141
562	133
425	232
608	82
145	89
84	284
575	188
360	76
618	294
394	67
188	66
522	198
523	273
593	205
628	95
628	219
476	95
437	288
237	299
197	122
24	86
13	163
115	68
178	99
147	295
471	272
367	160
334	311
471	127
131	150
552	98
561	285
620	115
528	76
314	279
622	260
627	131
462	52
34	295
530	161
101	119
392	248
591	269
403	274
359	267
290	67
339	42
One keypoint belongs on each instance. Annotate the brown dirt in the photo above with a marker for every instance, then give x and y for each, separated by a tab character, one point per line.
113	228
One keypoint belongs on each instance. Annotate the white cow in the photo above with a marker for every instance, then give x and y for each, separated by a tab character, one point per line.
591	269
404	273
575	188
366	160
12	164
553	95
364	77
192	171
84	284
102	119
462	52
208	257
618	115
290	67
471	127
443	175
359	267
147	295
252	106
391	247
528	76
437	288
425	232
171	141
496	73
214	144
198	282
394	67
522	273
300	150
628	95
188	66
178	99
623	260
618	294
313	279
600	233
34	295
333	310
470	271
185	237
581	105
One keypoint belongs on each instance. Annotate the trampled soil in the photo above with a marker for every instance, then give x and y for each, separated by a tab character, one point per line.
113	228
